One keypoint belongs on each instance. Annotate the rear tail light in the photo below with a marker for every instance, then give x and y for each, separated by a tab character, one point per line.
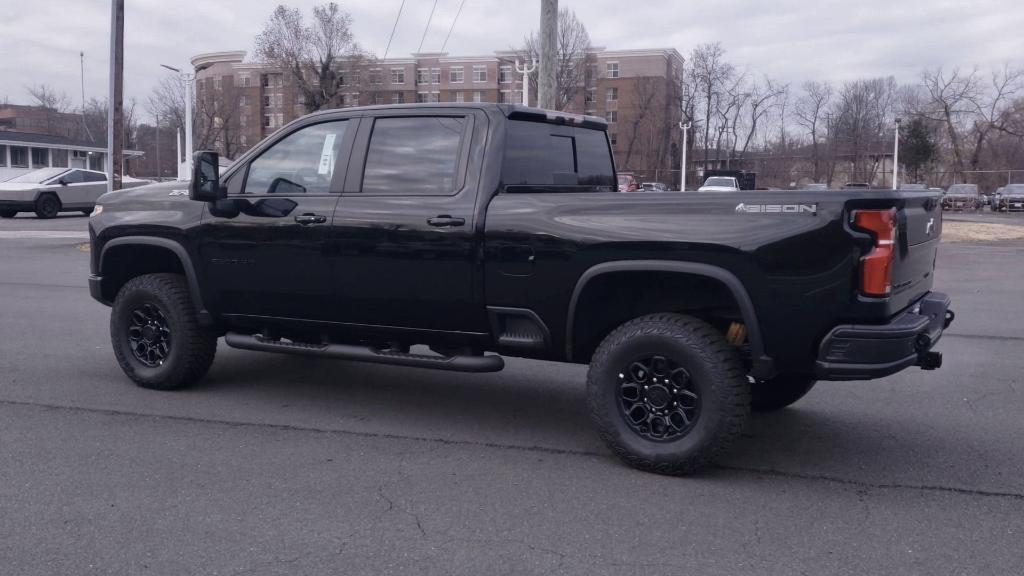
876	267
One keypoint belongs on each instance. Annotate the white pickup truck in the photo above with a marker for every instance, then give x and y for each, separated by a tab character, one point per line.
720	184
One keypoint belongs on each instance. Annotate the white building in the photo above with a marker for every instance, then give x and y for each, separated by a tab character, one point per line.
21	152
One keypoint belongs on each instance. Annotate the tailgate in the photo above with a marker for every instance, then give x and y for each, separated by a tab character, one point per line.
919	225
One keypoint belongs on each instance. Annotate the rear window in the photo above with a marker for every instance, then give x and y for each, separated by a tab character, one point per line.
543	157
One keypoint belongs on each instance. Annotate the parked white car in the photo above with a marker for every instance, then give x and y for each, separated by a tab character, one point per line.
720	184
50	191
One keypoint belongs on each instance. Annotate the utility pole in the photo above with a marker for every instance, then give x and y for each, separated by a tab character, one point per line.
157	146
896	158
682	166
546	82
526	70
115	120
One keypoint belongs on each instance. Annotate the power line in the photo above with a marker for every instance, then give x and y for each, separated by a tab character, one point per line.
445	45
427	29
395	27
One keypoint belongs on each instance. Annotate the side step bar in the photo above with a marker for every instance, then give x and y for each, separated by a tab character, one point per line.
366	354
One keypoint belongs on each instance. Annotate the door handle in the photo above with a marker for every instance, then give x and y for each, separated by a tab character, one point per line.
307	219
445	221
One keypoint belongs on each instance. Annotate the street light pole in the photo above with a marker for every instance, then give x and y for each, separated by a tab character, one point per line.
526	70
896	157
682	165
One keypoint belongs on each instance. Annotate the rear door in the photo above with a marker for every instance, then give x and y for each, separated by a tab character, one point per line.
263	248
82	188
404	235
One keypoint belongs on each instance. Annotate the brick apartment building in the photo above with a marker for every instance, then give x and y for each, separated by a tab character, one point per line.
634	90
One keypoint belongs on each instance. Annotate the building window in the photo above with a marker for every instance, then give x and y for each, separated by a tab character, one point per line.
375	76
398	75
3	155
343	77
217	83
613	138
426	97
242	120
479	73
435	75
244	80
242	140
613	94
266	101
378	98
59	158
505	75
589	97
613	69
265	79
612	116
459	97
398	97
457	75
19	157
40	157
505	97
422	76
478	96
350	100
300	98
243	100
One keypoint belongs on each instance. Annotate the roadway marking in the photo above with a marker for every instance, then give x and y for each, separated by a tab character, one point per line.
43	235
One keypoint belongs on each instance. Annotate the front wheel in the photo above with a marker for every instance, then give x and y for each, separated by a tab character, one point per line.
47	206
780	391
156	336
667	393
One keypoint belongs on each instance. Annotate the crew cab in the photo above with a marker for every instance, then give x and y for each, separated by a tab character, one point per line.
479	231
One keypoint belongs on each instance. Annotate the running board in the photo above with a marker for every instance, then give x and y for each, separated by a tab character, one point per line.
366	354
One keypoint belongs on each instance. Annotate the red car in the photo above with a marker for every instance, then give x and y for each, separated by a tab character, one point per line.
628	182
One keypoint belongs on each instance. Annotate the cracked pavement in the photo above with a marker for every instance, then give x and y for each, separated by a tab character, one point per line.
282	465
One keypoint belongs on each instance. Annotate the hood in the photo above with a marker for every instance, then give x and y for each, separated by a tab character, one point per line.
156	203
717	189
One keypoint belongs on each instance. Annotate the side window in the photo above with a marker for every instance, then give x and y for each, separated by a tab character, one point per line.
541	157
414	156
302	163
91	176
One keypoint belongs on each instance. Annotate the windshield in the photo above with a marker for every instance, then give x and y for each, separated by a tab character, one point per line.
963	189
720	182
1014	189
38	176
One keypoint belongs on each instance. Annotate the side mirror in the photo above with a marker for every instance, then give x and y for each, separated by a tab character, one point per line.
62	181
205	185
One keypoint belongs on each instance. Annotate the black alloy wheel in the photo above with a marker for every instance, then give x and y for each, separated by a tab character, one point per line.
149	335
658	399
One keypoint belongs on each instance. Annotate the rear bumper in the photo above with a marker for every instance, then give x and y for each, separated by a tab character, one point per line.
868	351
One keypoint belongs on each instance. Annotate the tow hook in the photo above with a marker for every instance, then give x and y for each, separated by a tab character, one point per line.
950	315
930	360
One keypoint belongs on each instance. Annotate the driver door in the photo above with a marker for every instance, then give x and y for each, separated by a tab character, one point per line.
262	248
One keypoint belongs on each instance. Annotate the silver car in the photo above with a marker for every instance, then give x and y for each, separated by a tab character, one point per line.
50	191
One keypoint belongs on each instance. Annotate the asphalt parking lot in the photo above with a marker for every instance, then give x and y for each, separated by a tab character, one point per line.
283	465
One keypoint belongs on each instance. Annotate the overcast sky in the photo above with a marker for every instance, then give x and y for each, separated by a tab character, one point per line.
792	40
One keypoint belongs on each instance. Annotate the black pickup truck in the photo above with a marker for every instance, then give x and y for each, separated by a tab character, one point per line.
445	236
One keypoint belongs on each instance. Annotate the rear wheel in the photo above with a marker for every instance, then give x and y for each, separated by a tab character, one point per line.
155	334
47	206
8	213
667	393
780	391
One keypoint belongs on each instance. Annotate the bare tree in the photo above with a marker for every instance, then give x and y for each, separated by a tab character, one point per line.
573	58
992	108
322	58
55	105
953	97
810	110
710	74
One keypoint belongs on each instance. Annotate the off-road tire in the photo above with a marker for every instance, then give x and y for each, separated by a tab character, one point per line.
8	213
715	371
192	347
87	212
780	392
47	206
